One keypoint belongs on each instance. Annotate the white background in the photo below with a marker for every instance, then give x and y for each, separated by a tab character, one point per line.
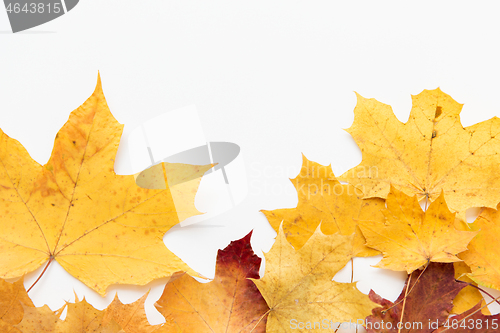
276	78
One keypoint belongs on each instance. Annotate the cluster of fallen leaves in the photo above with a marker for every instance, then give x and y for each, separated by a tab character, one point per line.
406	200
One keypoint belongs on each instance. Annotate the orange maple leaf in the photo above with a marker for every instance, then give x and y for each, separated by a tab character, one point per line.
229	303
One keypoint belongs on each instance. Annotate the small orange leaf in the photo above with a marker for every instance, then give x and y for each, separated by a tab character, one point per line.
131	317
482	254
83	317
229	303
12	298
40	320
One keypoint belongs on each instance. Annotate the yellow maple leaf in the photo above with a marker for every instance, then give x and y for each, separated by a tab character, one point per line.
430	153
482	254
298	287
323	199
101	227
409	238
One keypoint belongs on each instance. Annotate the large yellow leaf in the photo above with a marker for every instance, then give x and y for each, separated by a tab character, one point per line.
298	287
322	199
482	254
428	154
101	227
409	238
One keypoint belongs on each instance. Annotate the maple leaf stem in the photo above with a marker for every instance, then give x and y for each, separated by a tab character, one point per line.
352	278
260	319
404	298
352	269
480	289
43	272
404	302
472	313
337	329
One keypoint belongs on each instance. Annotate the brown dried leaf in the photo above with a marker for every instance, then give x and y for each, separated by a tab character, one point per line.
426	308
